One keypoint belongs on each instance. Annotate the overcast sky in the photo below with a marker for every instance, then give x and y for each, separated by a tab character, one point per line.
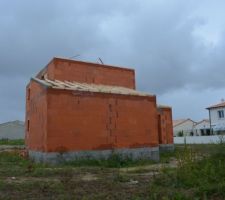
176	46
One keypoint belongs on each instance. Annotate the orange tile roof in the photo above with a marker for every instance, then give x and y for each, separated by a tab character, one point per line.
222	104
204	120
180	121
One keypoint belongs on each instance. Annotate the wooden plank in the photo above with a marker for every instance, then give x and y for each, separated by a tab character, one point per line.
54	83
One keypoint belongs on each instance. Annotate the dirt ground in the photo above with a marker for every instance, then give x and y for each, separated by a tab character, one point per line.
21	179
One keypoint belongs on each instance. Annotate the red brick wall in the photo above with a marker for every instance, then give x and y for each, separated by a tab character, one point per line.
70	70
36	116
165	125
90	121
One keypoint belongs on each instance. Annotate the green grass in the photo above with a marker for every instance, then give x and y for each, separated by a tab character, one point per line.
200	175
11	164
11	142
114	161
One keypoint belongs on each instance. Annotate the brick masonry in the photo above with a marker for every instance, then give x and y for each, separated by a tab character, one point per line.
84	72
165	128
70	120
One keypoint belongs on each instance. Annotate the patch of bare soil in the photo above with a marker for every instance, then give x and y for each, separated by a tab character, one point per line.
89	177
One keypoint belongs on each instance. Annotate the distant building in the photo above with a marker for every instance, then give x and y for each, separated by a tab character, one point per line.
217	118
183	127
12	130
202	128
188	127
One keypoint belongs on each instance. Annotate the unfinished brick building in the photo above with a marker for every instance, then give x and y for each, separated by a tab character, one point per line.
78	109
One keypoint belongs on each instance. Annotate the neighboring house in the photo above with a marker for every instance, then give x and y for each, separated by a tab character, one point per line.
12	130
202	128
217	118
183	127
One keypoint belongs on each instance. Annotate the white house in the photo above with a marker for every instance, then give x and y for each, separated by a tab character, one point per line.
12	130
202	128
217	117
183	127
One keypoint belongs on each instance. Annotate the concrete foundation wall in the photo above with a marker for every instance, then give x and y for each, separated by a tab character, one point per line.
166	147
134	153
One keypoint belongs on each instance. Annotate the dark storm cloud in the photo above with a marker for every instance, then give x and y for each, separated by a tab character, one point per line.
156	37
35	32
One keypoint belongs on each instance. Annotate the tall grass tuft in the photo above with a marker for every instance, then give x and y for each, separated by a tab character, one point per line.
114	161
198	176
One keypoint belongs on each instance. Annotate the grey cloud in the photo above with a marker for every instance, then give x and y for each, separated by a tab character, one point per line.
156	37
12	99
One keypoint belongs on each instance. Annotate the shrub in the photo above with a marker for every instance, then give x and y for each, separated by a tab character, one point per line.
180	134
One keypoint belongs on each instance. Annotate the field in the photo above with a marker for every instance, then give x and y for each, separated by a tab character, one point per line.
191	172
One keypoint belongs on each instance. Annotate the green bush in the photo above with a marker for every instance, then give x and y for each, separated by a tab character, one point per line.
180	134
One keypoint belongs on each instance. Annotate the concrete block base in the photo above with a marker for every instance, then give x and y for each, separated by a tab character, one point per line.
151	153
166	147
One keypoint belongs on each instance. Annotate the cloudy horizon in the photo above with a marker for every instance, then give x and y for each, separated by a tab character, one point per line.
176	47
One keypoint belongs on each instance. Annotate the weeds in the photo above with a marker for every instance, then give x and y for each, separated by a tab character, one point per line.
198	176
114	161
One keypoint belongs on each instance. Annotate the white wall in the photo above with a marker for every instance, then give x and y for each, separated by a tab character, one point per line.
199	139
215	120
214	116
